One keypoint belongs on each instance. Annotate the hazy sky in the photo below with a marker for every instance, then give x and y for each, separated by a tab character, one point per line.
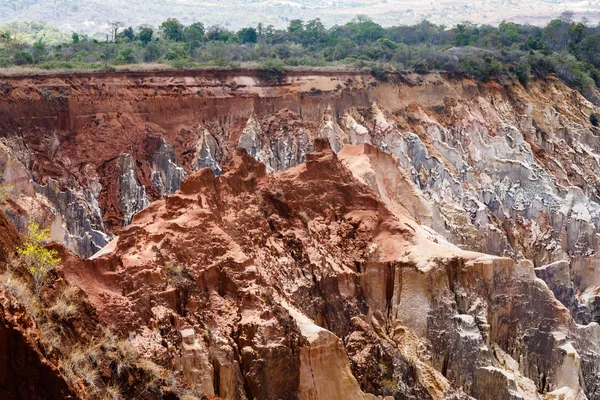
93	15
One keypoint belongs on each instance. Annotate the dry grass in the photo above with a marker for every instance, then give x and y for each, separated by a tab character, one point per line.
20	290
304	217
51	334
64	307
150	369
123	357
188	396
81	364
112	392
173	271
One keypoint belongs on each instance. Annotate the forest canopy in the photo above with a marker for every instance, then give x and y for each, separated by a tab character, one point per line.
569	49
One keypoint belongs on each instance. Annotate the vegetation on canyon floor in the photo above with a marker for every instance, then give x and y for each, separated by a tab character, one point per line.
569	49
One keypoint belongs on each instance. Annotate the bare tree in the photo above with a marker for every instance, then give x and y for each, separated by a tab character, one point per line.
567	16
114	28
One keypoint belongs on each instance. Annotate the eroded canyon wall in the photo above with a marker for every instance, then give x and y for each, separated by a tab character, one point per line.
483	167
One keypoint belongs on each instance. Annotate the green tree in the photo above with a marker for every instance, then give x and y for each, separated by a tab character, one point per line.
194	34
145	35
38	260
296	26
39	50
364	30
128	33
509	33
172	29
314	30
218	33
247	35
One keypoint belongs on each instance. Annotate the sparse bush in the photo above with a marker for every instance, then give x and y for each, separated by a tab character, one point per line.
522	71
180	279
5	88
174	272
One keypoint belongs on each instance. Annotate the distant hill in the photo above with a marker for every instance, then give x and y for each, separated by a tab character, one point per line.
92	16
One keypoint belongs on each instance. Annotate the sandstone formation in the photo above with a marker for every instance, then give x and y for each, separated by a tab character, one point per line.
330	237
305	284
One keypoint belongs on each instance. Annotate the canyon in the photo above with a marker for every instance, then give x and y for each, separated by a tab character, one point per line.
324	235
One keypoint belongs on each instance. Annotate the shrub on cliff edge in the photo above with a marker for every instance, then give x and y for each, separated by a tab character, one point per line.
272	71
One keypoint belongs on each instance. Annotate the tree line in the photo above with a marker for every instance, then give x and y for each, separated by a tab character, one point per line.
567	48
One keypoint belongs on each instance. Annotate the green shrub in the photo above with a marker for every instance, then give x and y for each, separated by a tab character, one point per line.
22	58
379	73
125	56
272	71
522	70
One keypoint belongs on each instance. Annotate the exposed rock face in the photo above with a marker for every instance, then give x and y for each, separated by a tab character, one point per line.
305	284
208	152
133	195
276	265
558	279
166	172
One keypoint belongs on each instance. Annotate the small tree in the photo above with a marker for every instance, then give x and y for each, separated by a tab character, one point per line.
37	259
